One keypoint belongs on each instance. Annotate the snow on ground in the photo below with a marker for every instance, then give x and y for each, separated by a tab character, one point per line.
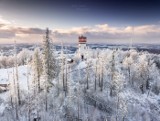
128	94
2	108
7	76
4	76
81	65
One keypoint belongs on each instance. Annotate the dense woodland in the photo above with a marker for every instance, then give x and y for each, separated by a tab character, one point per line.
108	85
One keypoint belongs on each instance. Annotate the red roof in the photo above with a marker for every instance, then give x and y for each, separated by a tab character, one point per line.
82	39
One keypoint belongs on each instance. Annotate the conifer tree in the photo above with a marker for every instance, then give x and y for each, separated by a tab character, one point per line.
95	81
37	67
17	76
112	73
16	91
50	66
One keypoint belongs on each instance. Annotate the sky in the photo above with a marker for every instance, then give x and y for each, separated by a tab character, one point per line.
101	21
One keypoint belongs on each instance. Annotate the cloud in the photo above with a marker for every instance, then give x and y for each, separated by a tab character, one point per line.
74	30
4	21
106	33
9	29
147	29
2	25
6	34
14	31
96	34
10	32
20	30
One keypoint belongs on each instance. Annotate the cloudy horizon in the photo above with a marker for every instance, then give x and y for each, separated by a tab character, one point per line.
100	22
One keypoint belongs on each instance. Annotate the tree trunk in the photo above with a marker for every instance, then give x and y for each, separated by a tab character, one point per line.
66	81
96	76
63	75
87	77
15	96
17	78
46	100
117	113
29	101
102	80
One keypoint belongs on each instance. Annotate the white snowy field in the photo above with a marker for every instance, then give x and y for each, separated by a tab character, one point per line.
6	77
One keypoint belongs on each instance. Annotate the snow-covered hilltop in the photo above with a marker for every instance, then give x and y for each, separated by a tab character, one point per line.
101	85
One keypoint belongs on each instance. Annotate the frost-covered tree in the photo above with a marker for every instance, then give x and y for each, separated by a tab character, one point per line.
37	69
118	84
23	56
87	75
17	76
128	62
3	62
112	73
10	61
49	62
95	80
50	66
143	74
7	61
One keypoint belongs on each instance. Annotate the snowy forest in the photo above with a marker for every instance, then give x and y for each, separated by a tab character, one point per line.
107	85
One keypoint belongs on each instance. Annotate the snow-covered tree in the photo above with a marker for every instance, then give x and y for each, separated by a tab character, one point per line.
17	76
112	73
3	62
50	66
37	69
10	61
128	62
23	56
